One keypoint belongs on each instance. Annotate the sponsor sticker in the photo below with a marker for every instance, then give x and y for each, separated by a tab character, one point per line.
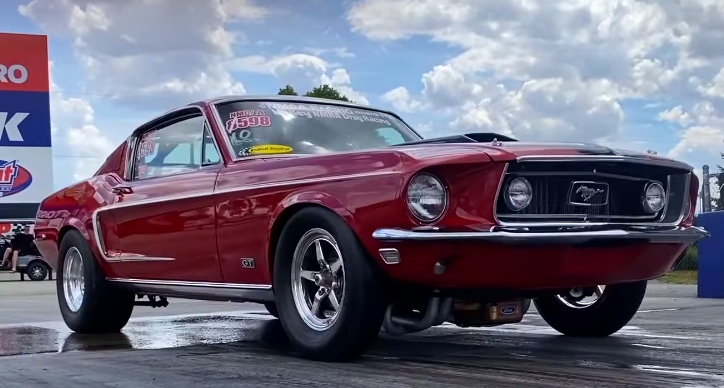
13	178
267	149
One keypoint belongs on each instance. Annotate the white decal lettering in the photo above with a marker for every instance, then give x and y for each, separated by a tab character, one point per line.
16	74
10	126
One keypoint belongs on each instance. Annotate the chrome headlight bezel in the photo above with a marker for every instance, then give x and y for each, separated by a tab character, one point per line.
411	205
645	197
507	194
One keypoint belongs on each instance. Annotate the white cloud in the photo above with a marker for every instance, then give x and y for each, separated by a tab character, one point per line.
160	53
75	135
563	69
401	99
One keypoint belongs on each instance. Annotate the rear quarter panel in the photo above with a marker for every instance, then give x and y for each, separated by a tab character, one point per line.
72	208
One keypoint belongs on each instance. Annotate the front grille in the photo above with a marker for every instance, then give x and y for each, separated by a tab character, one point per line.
614	190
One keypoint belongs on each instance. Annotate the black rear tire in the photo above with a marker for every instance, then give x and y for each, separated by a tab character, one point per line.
613	310
363	304
104	308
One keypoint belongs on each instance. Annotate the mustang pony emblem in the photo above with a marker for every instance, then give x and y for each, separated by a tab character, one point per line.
587	193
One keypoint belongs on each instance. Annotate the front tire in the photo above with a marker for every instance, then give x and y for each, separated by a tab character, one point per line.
88	303
613	310
271	308
329	293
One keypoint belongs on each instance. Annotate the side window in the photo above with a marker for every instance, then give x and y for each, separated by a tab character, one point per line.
207	150
170	149
391	135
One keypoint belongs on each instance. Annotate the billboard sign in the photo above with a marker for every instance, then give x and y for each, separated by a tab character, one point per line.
26	162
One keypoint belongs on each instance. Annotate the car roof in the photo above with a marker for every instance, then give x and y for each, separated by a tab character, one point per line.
286	98
271	97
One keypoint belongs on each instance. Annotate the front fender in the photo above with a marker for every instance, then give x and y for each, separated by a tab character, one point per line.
315	197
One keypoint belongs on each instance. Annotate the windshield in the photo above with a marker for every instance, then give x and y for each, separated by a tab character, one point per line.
267	127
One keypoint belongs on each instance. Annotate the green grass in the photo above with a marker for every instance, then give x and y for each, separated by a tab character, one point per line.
681	277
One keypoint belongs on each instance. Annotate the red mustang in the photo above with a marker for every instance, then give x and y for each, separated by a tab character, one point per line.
341	219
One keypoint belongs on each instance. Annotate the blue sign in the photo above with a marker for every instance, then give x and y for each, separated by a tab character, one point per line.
24	119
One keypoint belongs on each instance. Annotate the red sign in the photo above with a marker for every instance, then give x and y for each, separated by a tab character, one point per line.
24	63
6	228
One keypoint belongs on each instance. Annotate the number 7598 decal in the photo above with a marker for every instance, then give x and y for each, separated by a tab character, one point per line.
243	122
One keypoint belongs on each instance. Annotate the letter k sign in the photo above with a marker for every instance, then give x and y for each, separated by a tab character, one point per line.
10	125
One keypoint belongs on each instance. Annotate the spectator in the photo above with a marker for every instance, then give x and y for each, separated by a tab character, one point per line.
20	243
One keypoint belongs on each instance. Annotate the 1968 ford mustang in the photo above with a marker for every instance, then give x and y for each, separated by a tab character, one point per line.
342	220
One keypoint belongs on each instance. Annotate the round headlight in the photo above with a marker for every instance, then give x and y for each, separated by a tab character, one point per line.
654	198
426	197
519	194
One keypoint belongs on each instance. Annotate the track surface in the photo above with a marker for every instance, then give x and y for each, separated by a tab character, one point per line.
676	340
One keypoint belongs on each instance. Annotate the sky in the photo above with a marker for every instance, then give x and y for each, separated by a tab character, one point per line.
633	74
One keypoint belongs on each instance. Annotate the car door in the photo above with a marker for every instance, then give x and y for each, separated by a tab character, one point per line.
162	225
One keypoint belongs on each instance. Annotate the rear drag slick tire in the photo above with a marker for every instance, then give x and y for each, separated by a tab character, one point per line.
88	303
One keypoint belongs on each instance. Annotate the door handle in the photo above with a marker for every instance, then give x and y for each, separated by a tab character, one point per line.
121	190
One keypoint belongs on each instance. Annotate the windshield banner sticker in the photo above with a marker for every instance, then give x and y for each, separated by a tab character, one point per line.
247	119
325	112
266	149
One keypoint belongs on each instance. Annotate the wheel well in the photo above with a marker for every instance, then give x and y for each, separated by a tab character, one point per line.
63	231
276	230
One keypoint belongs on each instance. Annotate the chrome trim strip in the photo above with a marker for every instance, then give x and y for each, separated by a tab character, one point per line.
498	191
579	173
17	220
578	235
95	216
181	283
583	217
136	258
605	158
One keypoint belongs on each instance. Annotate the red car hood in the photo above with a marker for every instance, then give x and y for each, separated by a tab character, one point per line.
508	151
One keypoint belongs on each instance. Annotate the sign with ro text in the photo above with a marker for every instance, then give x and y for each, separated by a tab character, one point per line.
26	163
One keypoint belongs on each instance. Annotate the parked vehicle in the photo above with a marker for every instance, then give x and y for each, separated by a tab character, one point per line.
341	219
30	263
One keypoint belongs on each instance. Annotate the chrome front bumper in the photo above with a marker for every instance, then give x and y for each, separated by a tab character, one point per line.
553	235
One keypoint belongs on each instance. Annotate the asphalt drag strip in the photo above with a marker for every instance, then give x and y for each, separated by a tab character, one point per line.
669	344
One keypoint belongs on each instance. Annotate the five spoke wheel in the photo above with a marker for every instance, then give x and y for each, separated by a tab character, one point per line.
318	279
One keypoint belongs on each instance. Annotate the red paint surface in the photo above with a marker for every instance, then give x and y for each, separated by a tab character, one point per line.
236	204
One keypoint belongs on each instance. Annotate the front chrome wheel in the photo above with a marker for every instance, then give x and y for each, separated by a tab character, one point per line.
73	279
318	279
577	297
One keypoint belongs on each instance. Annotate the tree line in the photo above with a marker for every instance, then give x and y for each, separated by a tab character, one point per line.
321	91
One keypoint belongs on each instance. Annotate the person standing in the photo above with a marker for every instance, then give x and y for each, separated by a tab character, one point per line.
21	243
